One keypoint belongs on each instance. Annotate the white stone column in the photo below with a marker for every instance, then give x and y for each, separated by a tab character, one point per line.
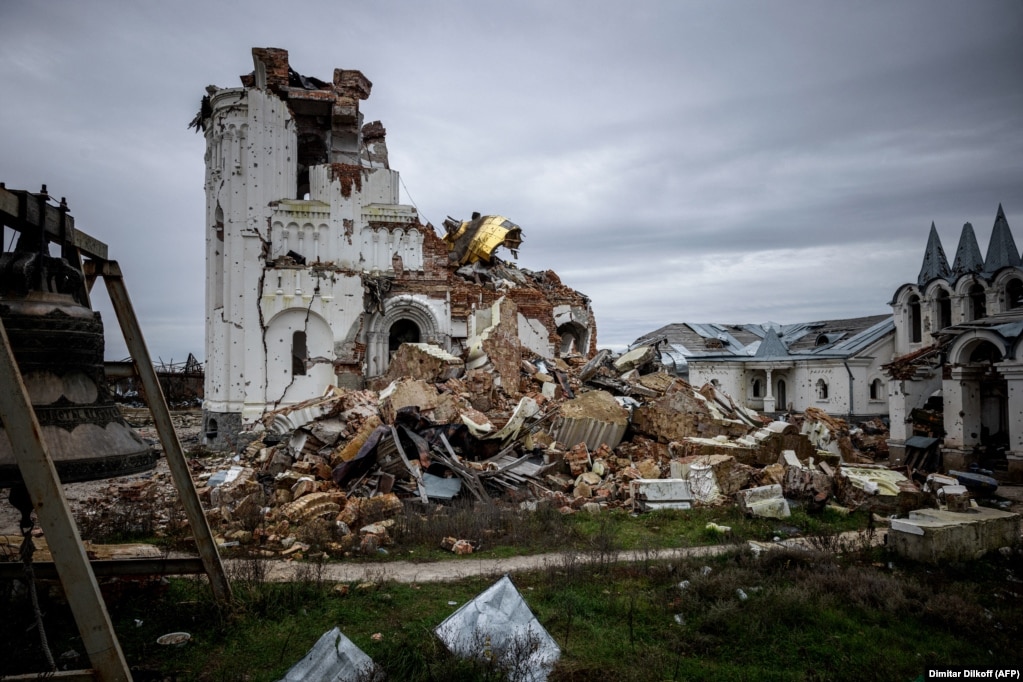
769	395
961	397
1013	373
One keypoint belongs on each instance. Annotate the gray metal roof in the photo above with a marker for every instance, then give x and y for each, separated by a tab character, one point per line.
935	263
968	259
771	341
1001	250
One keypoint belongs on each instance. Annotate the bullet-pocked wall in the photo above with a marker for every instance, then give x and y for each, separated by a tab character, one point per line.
315	272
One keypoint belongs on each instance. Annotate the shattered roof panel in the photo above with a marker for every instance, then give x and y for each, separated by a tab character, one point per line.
499	623
841	338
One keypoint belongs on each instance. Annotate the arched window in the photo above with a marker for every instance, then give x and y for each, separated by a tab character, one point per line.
822	389
780	395
299	354
756	388
875	389
978	304
915	325
1013	294
944	310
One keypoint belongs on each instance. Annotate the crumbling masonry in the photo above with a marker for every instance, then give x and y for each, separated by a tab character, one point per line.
316	273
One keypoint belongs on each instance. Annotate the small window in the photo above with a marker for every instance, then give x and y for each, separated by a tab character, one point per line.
944	310
822	389
299	354
875	389
756	388
978	302
211	429
915	323
1014	294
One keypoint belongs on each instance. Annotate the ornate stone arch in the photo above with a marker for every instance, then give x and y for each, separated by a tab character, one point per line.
972	291
1009	284
903	293
938	301
292	379
963	348
396	309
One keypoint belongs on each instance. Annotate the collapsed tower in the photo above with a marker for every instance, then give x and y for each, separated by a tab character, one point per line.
316	273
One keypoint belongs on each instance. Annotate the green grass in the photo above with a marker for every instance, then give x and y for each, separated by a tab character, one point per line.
805	616
500	532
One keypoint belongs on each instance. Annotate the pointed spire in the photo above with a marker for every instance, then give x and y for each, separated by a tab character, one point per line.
968	258
1001	250
772	346
935	263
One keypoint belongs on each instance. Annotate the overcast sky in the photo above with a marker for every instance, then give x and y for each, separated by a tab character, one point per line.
675	161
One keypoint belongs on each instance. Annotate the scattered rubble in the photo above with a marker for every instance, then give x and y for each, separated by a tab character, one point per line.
507	425
501	422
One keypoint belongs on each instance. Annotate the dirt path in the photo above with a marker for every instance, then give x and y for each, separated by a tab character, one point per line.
467	567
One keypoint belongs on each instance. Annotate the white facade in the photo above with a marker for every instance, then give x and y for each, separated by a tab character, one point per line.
285	295
315	272
855	386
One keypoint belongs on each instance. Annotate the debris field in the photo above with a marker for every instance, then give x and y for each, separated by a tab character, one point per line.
507	427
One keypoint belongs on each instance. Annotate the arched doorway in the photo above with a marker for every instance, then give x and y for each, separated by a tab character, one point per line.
781	400
402	331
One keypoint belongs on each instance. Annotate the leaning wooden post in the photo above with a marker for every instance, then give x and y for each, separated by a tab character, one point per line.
54	515
114	279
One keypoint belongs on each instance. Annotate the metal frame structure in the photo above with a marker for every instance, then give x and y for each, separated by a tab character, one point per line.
25	211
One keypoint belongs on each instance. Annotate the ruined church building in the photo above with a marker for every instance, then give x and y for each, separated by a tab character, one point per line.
315	271
959	344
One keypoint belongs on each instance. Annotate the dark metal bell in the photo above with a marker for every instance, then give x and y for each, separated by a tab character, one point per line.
57	342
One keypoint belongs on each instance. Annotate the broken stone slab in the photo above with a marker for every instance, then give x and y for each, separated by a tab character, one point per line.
498	344
765	501
937	536
661	493
595	363
594	418
877	489
634	359
681	414
730	475
424	361
703	483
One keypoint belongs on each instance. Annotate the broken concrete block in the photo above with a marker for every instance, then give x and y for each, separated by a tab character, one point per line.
304	486
379	508
424	361
703	483
649	468
663	493
766	501
311	506
634	359
594	417
935	535
578	459
730	475
351	449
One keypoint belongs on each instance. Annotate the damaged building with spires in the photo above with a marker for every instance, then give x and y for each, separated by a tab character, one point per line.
316	273
957	376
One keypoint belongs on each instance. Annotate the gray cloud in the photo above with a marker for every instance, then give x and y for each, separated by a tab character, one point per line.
675	161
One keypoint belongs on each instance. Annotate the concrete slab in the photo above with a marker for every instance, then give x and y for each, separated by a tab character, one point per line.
936	536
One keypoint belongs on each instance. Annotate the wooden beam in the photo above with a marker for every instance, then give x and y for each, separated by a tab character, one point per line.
23	210
54	514
114	280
